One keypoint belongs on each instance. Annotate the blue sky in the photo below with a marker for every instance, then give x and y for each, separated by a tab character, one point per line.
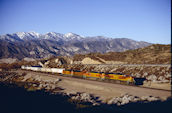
141	20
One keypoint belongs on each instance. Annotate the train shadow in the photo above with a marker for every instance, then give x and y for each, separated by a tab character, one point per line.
139	81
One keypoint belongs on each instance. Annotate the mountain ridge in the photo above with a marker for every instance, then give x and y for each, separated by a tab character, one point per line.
34	45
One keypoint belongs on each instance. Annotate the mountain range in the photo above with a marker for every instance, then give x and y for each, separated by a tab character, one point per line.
34	45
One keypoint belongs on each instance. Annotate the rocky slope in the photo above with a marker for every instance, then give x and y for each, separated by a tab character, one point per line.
34	45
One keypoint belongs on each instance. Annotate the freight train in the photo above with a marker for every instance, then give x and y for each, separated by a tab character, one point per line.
112	77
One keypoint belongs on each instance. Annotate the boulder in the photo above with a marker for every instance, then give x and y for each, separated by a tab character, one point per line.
152	78
84	97
125	99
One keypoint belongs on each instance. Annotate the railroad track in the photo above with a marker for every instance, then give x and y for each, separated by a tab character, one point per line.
55	75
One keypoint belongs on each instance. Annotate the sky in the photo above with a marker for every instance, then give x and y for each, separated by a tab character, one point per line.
140	20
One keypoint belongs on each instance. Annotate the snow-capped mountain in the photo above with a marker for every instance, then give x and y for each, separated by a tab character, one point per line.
72	36
33	35
27	35
19	36
52	35
31	44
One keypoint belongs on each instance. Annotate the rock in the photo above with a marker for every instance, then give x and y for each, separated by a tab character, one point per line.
125	99
150	98
143	98
137	75
135	99
40	85
84	97
152	77
160	78
167	76
53	86
145	74
34	85
113	101
165	81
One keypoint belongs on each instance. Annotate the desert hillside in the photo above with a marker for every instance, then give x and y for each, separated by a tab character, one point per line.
154	54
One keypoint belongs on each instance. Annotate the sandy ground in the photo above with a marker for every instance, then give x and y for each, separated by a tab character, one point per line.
103	90
166	86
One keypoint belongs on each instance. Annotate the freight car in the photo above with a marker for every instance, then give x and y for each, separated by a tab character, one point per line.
38	68
112	77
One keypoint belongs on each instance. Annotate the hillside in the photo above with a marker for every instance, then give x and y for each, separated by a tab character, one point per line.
154	54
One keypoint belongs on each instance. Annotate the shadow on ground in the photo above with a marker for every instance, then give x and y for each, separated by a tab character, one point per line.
18	100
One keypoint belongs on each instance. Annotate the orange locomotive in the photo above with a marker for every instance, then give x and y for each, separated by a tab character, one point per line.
101	76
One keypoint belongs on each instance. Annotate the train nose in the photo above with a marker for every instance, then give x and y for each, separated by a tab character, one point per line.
139	81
